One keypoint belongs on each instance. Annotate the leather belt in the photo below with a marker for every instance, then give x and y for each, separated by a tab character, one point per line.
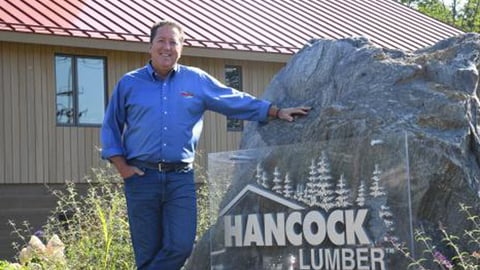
161	166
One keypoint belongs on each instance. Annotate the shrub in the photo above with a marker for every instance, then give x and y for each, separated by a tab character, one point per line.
92	229
465	248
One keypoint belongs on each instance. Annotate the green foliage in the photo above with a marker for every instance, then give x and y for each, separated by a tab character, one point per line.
465	248
462	14
203	216
437	10
470	16
4	265
93	228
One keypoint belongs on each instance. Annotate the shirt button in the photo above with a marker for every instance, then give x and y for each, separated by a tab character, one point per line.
164	98
164	144
164	128
165	112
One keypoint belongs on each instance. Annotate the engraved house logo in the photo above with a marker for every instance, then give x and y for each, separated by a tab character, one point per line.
318	223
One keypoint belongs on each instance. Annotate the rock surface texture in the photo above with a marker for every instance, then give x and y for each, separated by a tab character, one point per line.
359	90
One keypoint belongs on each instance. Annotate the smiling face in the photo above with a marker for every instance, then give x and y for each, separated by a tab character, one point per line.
165	49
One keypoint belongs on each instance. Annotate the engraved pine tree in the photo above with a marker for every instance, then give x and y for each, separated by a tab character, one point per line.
277	181
376	203
376	190
287	187
342	199
386	214
361	197
258	175
264	180
310	194
298	196
325	192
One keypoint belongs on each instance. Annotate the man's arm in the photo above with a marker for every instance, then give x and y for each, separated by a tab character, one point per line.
111	133
241	105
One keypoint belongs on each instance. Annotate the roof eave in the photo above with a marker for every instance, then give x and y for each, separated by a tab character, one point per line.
236	54
132	46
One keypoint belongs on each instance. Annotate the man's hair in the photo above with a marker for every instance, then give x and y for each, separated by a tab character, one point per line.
153	30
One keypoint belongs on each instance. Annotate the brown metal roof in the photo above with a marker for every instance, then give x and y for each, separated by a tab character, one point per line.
273	26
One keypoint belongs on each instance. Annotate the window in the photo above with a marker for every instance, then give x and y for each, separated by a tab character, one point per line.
233	78
80	89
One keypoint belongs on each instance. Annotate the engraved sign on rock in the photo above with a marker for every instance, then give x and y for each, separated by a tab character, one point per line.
330	209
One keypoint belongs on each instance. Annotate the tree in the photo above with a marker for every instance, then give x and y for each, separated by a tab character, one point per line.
462	14
470	21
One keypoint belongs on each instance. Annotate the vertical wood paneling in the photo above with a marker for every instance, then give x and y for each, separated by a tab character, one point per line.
7	112
82	159
15	129
21	110
73	151
89	146
94	147
55	170
38	139
3	100
60	162
43	112
30	100
33	149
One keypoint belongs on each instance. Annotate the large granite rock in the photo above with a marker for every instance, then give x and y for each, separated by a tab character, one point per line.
360	93
359	90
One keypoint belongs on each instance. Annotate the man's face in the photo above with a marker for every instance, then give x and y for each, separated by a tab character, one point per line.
166	49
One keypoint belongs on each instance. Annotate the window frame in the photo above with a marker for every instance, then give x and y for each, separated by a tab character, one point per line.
75	97
240	88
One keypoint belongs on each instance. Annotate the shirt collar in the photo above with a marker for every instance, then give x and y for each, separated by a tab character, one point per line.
154	75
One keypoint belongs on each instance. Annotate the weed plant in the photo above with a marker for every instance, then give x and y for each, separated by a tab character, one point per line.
92	226
463	250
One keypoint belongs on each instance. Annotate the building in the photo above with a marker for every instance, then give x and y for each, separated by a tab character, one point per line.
61	59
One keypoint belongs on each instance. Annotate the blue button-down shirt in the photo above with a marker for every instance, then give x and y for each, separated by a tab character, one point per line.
159	120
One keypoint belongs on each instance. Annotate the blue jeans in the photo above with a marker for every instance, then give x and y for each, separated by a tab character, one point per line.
162	214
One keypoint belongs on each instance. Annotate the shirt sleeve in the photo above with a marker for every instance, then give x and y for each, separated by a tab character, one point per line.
113	123
231	102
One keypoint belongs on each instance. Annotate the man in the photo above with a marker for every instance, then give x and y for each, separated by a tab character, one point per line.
150	131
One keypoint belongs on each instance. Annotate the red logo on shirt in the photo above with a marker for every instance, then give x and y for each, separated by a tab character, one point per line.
186	94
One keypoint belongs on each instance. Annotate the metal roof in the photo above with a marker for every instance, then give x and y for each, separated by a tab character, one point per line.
268	26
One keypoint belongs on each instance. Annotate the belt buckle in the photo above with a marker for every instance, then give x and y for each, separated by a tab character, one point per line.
160	167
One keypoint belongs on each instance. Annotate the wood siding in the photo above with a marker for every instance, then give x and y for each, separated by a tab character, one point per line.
33	149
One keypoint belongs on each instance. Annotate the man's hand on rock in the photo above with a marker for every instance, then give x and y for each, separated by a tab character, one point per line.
288	114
